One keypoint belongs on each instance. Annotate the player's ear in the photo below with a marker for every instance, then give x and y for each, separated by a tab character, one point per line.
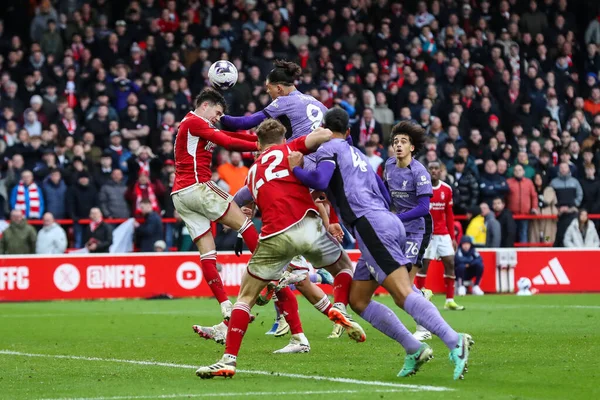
347	132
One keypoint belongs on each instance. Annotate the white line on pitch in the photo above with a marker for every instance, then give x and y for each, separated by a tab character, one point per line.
253	372
188	395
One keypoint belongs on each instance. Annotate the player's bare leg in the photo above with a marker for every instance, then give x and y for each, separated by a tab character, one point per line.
343	272
238	324
399	286
208	261
449	279
235	219
317	297
386	321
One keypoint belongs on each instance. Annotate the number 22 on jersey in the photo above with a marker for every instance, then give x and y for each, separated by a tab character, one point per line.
277	157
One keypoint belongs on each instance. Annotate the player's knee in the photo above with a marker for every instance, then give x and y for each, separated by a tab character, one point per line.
358	304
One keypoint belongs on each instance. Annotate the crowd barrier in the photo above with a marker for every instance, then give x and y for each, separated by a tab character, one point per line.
146	275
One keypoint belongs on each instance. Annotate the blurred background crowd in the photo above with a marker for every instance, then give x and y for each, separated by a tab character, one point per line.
91	93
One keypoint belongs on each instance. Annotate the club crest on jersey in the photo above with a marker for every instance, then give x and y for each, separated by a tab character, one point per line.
210	146
442	195
404	184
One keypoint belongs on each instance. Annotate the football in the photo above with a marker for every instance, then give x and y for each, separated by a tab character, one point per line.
524	286
222	75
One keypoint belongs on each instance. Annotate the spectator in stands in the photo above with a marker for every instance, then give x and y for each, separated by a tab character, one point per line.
493	231
465	187
55	192
362	129
98	234
582	232
27	197
51	239
81	198
543	230
568	189
150	230
233	172
120	155
144	161
492	184
508	227
591	190
522	200
112	196
476	226
102	175
468	265
143	189
19	237
160	246
375	160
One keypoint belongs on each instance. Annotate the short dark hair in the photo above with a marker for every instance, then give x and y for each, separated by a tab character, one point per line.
270	131
212	97
371	143
284	73
415	133
336	120
434	162
499	198
146	201
459	160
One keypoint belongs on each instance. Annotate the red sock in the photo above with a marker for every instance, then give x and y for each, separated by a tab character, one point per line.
341	287
288	305
249	235
420	281
238	324
209	270
323	305
449	287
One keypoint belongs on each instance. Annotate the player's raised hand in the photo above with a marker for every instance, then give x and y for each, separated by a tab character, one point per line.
336	231
295	159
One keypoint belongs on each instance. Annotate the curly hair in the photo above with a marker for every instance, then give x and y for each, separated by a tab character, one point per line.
415	133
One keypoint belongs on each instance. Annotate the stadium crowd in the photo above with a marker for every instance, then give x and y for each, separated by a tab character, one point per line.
91	93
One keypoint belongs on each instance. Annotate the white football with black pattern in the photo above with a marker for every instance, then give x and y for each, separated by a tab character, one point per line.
223	75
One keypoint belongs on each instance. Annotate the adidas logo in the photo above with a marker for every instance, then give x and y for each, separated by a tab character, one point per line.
552	274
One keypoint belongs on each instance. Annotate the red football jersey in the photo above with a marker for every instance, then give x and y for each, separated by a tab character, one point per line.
195	142
440	207
282	199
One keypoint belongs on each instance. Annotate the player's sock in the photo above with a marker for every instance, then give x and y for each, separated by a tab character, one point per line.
420	281
341	286
323	305
385	321
209	270
449	281
238	324
426	314
314	278
249	234
288	305
416	290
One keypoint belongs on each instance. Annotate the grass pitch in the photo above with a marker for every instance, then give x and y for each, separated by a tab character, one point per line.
542	347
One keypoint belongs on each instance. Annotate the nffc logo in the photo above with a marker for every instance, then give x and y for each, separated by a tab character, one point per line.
553	274
66	277
189	275
14	278
116	276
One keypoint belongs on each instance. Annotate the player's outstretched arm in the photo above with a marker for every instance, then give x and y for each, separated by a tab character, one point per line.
243	136
243	197
420	210
318	178
317	138
245	122
222	139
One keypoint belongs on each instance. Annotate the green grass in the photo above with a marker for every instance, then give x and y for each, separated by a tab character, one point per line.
542	347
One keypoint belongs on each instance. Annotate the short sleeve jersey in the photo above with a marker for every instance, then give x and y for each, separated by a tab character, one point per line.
406	185
354	183
299	113
282	199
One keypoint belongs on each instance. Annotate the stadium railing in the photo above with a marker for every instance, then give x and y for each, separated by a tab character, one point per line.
68	222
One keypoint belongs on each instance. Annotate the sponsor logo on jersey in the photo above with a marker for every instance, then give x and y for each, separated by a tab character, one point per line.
14	278
552	274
